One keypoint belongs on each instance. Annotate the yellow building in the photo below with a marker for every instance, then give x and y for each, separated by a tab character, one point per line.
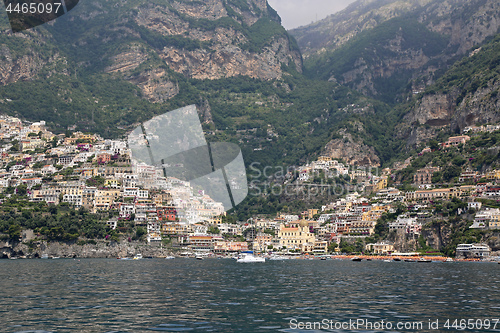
80	136
104	198
318	247
372	215
493	175
296	237
160	199
364	228
217	219
71	190
113	183
32	144
381	183
380	248
88	173
494	222
311	213
439	193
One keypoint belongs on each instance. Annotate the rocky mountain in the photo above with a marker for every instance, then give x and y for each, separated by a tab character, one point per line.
334	31
391	49
466	95
117	61
351	150
202	40
109	64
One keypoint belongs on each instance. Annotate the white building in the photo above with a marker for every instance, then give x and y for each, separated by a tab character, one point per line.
408	224
489	217
73	199
473	251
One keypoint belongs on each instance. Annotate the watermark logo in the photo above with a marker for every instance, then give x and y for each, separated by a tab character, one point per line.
175	143
26	14
306	182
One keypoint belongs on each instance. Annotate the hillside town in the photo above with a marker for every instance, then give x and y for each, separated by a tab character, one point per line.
88	172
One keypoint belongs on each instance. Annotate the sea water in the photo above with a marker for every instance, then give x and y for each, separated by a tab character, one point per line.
221	295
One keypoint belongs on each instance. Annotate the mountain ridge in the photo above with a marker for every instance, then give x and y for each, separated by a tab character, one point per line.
394	48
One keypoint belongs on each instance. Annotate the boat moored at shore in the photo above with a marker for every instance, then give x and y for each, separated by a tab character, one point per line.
248	257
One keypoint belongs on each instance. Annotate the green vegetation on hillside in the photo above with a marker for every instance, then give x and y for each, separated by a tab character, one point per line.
471	73
384	43
479	154
59	222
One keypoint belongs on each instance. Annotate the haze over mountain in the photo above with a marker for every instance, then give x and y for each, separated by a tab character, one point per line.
390	49
296	13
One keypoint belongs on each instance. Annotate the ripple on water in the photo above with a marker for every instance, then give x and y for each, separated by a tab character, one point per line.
220	296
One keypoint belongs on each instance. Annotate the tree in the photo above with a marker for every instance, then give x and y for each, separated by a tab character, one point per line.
166	240
14	232
458	160
250	232
433	144
139	233
451	172
332	247
15	146
269	232
346	247
213	230
21	190
436	177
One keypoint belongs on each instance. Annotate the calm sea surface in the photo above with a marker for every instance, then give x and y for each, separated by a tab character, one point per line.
220	295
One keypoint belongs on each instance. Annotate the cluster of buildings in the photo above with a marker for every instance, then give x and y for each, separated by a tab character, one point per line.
89	172
86	171
483	128
488	218
368	178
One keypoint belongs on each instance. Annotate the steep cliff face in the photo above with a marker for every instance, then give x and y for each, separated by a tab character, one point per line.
446	235
467	23
146	43
352	151
391	49
334	31
468	94
102	249
24	56
403	242
225	49
153	82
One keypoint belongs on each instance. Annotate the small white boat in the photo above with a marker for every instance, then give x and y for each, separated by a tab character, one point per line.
424	260
449	260
279	258
44	256
138	256
248	256
169	257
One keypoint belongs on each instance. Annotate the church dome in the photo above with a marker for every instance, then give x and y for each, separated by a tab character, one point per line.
303	223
